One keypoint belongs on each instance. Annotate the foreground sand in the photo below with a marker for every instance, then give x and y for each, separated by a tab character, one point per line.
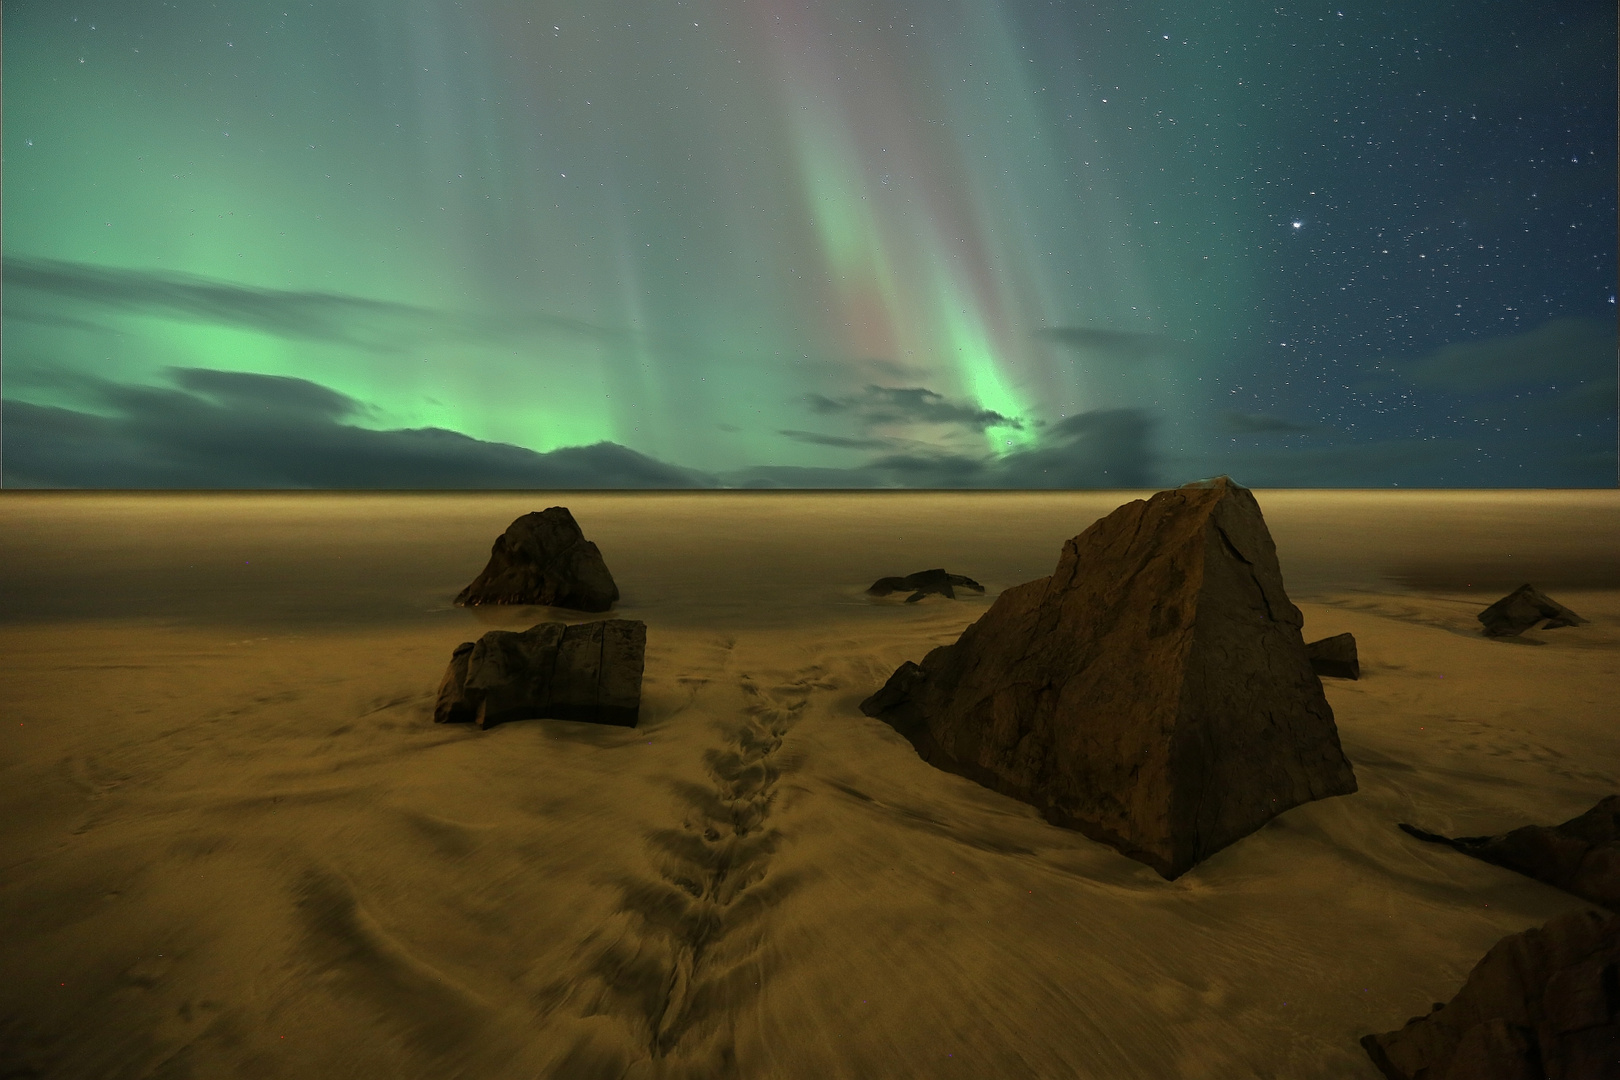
235	844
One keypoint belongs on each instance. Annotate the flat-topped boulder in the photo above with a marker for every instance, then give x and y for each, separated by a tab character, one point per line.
922	583
1580	856
590	671
1541	1005
544	558
1153	693
1523	609
1335	656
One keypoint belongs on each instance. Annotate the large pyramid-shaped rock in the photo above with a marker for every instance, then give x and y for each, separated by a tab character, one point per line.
1153	693
544	558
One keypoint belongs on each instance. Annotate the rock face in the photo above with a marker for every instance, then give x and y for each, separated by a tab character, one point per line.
1153	693
1522	609
924	582
544	558
1335	656
1541	1005
1581	856
587	672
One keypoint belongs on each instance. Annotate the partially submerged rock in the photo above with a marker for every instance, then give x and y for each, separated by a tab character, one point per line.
589	672
1581	856
1522	609
1541	1005
544	558
1335	657
1153	693
924	582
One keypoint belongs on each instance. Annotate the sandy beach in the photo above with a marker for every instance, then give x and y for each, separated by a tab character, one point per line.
236	845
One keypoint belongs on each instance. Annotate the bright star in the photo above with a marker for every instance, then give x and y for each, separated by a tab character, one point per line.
1299	224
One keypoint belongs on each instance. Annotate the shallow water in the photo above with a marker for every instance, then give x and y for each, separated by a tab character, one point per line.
277	558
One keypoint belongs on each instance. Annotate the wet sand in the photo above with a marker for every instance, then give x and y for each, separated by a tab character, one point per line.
236	844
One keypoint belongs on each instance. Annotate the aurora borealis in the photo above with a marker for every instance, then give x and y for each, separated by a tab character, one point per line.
975	243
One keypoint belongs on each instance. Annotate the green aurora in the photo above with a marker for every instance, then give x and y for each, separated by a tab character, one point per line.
797	244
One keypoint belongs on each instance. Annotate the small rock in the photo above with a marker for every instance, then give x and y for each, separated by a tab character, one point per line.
1541	1005
924	582
1581	856
1335	656
589	672
544	558
1522	609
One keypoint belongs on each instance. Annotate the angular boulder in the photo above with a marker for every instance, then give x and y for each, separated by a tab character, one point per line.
1153	693
924	582
544	558
1581	856
1522	609
589	672
1541	1005
1335	657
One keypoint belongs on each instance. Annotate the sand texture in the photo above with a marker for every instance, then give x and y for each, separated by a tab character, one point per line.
235	843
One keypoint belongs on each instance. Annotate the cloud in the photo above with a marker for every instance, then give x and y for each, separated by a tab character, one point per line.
319	316
840	441
1565	350
222	429
879	405
1100	449
22	313
1114	344
269	393
373	325
1255	424
1105	449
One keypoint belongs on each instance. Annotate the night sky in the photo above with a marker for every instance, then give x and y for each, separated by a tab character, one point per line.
785	243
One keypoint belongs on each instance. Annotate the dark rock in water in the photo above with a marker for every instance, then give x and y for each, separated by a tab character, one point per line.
1153	693
1335	656
588	672
1541	1005
924	582
544	558
1522	609
1581	856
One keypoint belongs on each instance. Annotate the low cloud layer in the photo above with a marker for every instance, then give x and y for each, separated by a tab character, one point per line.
206	428
219	429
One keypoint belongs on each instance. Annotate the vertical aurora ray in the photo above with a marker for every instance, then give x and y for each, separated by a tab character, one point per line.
881	195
